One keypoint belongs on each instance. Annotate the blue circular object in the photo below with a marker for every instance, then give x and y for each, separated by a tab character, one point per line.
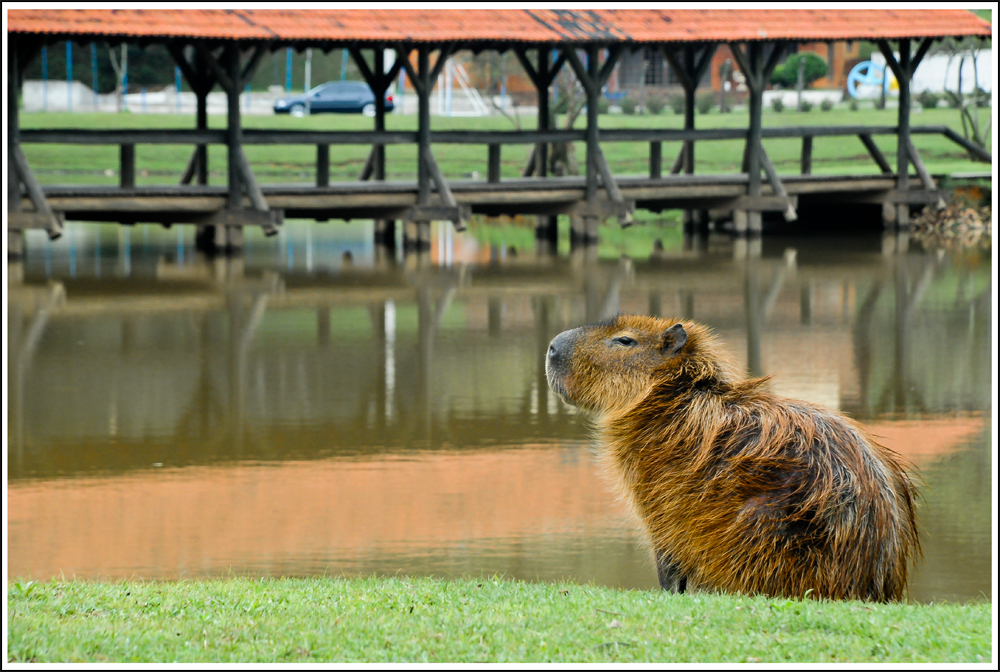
866	73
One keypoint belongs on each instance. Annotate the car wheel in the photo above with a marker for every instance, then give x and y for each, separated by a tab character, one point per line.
368	110
298	111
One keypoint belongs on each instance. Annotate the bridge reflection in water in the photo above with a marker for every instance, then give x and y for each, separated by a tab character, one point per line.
312	408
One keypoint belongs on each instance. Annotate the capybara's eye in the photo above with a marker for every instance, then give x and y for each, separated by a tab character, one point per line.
625	340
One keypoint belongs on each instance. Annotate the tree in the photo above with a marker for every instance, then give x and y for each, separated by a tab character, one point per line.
787	73
970	107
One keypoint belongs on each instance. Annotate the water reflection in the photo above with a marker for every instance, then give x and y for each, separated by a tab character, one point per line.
322	406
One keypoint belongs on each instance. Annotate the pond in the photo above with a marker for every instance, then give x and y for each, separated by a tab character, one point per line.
318	406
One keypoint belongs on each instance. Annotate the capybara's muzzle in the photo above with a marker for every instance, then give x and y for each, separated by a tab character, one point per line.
558	360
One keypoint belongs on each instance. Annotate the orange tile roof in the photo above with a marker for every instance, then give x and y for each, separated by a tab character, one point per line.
514	25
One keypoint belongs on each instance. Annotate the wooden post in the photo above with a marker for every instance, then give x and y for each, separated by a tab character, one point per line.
322	165
234	132
593	92
15	239
756	103
903	138
126	165
544	116
655	160
423	125
807	154
757	71
689	64
201	117
493	164
379	92
903	68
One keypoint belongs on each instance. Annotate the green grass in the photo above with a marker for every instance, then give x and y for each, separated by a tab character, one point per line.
163	164
486	620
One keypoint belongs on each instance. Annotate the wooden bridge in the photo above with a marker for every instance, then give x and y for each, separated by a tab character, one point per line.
224	47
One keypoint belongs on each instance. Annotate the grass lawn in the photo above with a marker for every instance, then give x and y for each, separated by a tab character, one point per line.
486	620
163	164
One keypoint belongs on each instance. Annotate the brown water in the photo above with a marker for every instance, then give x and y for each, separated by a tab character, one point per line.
298	412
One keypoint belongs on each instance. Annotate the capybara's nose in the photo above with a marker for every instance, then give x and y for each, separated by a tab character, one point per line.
560	348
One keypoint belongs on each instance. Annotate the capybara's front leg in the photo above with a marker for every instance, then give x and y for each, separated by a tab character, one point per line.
669	573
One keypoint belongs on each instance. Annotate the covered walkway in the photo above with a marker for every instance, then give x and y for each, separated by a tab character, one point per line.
223	47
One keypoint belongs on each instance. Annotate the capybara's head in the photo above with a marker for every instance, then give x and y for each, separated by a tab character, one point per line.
611	366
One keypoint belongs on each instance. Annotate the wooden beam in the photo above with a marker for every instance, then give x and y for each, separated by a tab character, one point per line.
919	56
191	169
126	166
418	85
704	62
250	183
655	160
578	69
744	65
890	58
493	164
20	221
979	152
609	65
807	154
678	164
194	80
369	168
876	153
362	64
556	67
672	54
532	73
35	193
925	177
444	191
322	165
610	185
776	185
252	64
444	53
220	75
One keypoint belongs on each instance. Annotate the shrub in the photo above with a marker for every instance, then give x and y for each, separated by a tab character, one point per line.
705	103
677	104
853	106
805	106
630	104
603	105
777	104
787	74
928	100
655	104
826	105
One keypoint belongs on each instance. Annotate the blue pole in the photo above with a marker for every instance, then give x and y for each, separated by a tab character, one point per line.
69	76
45	78
124	83
93	70
288	69
177	83
343	65
246	105
142	93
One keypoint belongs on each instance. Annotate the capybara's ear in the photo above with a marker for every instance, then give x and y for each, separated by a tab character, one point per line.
674	339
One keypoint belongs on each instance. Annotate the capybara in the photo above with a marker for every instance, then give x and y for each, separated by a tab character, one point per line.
739	490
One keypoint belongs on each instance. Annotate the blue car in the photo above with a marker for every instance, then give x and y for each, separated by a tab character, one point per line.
342	97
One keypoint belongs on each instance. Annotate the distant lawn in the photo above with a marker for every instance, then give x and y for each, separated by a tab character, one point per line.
163	164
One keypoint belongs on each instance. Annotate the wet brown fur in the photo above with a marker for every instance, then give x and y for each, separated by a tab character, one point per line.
740	490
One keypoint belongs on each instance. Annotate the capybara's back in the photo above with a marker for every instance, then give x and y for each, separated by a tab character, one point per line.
739	490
